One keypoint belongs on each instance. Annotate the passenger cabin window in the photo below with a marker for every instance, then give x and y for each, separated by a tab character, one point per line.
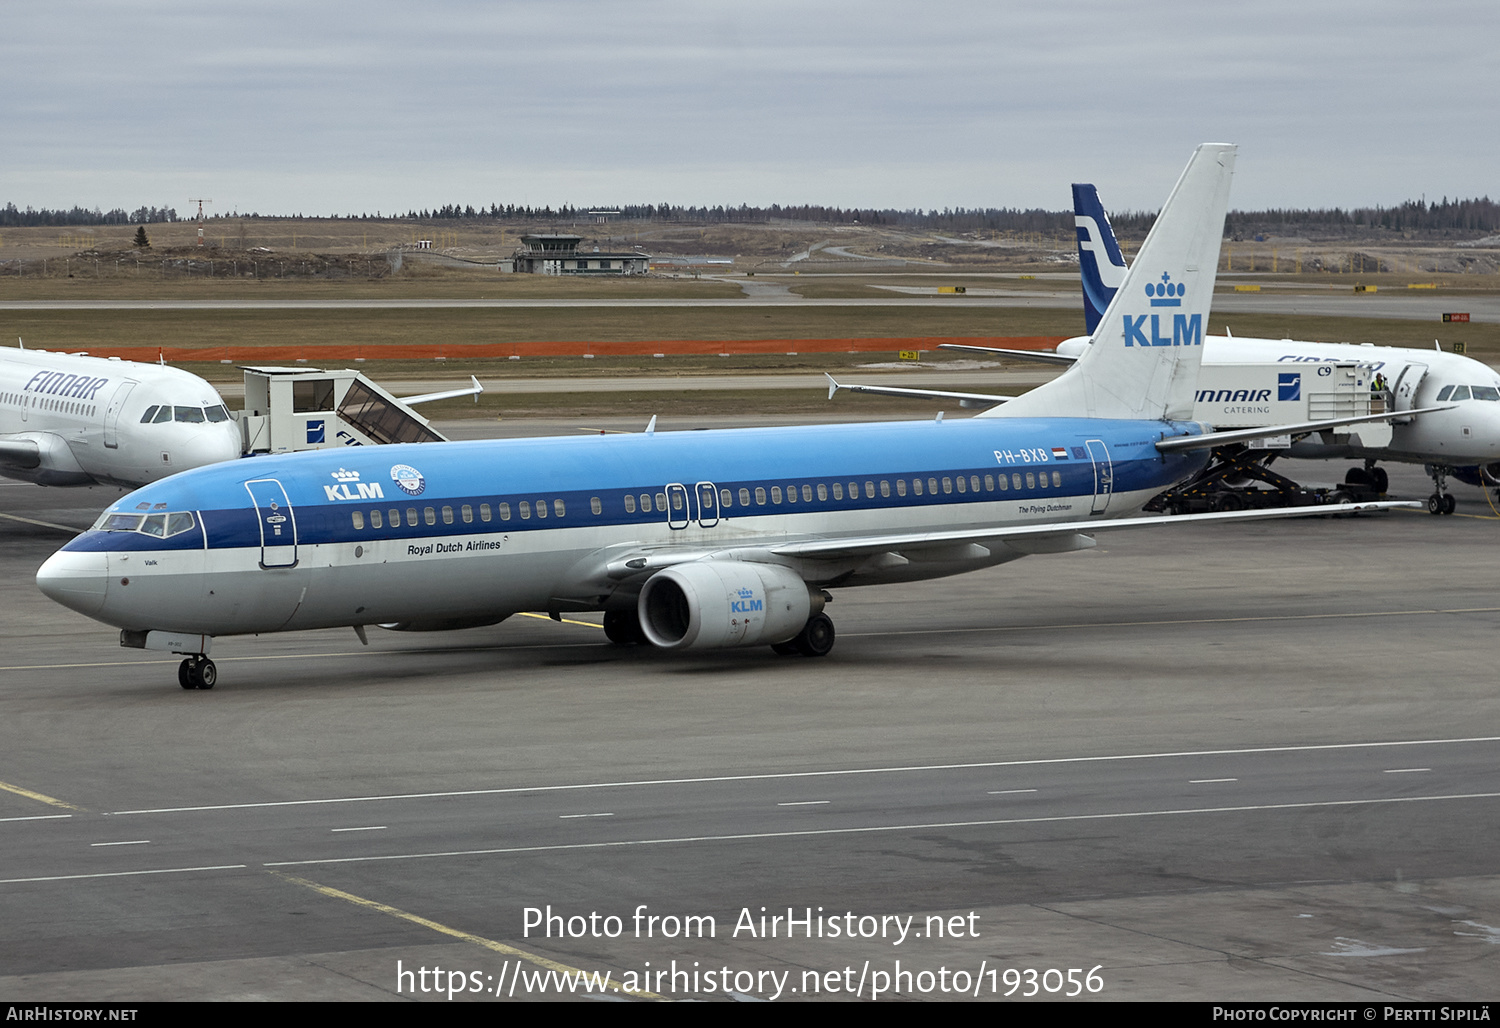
376	521
541	508
467	513
559	508
525	509
447	515
429	515
484	512
504	512
596	506
629	504
1057	479
776	494
744	497
411	517
359	520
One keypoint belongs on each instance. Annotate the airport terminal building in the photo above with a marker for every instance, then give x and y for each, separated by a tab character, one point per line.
559	255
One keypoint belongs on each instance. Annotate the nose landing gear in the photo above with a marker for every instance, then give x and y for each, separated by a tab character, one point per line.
197	673
1440	502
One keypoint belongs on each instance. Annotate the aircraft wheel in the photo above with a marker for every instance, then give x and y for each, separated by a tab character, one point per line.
1435	503
1359	476
1450	503
1380	480
1231	501
786	649
623	628
202	673
185	675
816	637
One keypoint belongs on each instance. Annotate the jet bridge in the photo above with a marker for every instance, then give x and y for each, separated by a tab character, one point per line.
289	409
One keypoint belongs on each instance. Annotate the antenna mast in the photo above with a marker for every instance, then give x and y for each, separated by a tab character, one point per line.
200	204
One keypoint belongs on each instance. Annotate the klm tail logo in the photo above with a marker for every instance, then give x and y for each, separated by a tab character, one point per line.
1187	329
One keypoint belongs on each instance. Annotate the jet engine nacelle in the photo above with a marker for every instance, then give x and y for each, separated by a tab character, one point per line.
710	605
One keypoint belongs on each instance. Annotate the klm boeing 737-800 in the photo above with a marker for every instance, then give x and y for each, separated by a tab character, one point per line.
71	420
685	540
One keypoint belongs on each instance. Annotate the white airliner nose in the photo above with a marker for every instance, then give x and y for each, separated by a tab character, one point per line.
77	579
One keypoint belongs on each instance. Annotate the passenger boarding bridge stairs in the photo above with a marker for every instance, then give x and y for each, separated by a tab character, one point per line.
288	409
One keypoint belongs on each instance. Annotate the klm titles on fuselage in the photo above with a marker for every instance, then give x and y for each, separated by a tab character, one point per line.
360	490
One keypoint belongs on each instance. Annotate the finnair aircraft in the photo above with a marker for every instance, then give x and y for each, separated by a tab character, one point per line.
68	420
685	540
1462	440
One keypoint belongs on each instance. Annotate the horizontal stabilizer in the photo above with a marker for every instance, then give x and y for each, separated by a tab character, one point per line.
964	399
448	394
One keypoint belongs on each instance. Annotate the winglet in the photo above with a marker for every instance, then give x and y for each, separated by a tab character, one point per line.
833	386
651	426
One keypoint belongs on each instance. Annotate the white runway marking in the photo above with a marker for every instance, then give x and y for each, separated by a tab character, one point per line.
873	829
132	842
774	776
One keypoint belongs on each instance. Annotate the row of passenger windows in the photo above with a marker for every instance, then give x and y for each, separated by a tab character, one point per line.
49	403
524	509
647	502
156	415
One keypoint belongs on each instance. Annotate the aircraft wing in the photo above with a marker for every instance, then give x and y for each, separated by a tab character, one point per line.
1040	356
447	394
20	453
1050	537
964	399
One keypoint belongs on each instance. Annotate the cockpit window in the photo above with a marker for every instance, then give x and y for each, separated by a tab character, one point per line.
1486	393
160	526
191	415
165	414
1444	393
217	413
150	413
1460	393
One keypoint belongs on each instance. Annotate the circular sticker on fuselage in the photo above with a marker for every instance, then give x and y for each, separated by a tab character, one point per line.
409	479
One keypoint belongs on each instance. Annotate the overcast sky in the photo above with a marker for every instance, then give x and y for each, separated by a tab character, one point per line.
328	107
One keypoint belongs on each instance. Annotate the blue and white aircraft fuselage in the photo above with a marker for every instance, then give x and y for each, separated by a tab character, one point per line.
468	533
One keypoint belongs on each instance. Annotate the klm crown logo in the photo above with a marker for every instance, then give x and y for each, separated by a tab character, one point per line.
1150	329
1166	293
346	476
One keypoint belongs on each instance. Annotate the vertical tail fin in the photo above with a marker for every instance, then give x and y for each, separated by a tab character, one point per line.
1143	363
1100	263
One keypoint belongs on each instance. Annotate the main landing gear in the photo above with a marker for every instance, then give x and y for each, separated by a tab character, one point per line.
197	673
1440	502
815	639
623	628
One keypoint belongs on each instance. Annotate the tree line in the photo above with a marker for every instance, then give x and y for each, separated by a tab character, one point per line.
1481	215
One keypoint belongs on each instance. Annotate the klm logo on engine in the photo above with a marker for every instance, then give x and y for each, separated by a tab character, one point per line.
746	604
351	488
1146	329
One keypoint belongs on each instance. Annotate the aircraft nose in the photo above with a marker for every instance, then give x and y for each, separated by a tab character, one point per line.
76	579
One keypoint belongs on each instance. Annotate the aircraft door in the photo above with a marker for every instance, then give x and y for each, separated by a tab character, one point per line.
1104	475
1405	390
708	504
112	414
278	525
678	514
